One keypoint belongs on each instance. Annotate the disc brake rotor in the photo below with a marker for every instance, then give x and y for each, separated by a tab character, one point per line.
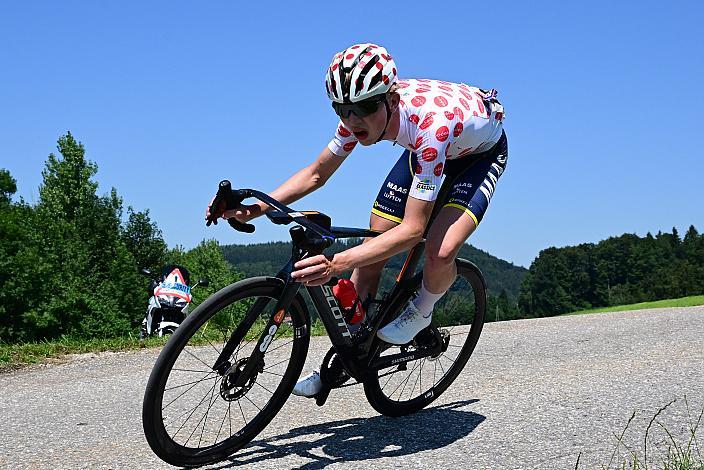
228	390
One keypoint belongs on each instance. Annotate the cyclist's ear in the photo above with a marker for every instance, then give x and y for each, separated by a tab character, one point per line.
393	98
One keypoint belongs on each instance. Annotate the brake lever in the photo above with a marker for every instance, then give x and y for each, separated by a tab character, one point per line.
231	199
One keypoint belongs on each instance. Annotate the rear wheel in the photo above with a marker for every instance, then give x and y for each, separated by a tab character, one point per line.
458	317
194	415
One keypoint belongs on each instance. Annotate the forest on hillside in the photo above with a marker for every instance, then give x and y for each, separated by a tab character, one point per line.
616	271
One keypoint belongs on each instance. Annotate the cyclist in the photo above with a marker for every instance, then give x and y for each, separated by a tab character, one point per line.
447	129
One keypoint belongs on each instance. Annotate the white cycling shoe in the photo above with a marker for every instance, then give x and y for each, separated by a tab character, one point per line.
405	327
309	385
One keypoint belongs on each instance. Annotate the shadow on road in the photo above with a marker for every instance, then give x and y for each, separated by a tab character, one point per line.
359	439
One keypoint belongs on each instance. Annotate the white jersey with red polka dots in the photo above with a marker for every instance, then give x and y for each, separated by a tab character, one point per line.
438	121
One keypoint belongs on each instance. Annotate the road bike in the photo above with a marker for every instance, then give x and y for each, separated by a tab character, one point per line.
232	364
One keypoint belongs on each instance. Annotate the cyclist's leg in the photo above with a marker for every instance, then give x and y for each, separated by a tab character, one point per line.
448	233
387	212
366	279
460	216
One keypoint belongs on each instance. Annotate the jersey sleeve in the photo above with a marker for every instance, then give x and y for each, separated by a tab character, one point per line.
343	142
432	140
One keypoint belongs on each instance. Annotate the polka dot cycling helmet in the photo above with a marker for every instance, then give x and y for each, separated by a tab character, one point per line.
359	72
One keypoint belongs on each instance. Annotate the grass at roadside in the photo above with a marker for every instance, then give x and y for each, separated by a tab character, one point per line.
675	448
681	302
14	356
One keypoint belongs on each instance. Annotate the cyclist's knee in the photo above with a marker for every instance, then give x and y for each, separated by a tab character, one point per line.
442	254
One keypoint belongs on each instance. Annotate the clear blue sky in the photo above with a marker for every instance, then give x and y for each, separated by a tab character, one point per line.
603	101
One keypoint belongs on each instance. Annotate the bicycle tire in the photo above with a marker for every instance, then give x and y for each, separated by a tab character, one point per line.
373	389
162	443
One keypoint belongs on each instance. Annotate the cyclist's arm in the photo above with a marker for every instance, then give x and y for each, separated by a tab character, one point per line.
318	269
396	240
304	182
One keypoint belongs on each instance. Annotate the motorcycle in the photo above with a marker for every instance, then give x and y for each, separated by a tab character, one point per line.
170	297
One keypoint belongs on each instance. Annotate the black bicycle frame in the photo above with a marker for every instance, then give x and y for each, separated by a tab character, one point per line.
353	354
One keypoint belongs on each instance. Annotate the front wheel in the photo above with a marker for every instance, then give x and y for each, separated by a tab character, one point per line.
459	317
194	415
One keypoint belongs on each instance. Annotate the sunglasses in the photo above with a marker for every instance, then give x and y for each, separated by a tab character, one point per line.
360	109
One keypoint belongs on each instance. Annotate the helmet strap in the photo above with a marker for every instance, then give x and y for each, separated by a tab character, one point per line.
388	118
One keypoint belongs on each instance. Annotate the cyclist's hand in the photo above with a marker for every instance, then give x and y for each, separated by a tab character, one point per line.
315	270
244	213
207	210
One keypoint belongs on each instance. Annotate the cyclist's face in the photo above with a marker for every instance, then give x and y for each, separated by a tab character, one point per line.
367	128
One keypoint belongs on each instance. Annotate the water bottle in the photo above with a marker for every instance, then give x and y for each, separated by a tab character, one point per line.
346	295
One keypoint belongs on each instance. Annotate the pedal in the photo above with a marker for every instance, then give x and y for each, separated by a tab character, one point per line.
332	374
322	396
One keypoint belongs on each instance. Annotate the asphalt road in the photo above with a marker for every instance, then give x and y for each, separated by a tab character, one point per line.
535	394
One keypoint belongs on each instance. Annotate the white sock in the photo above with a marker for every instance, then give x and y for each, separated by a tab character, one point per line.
426	300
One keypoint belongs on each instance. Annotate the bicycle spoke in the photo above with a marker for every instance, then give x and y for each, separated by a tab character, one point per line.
205	420
241	411
405	381
262	386
222	423
189	416
197	358
202	379
188	383
272	373
280	346
249	400
274	365
192	370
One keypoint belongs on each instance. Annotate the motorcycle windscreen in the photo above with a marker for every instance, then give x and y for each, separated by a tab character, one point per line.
173	289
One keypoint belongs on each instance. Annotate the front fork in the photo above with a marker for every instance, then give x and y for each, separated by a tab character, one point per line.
222	364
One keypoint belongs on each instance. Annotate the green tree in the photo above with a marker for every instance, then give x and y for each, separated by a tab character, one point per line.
144	240
8	186
22	267
92	288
